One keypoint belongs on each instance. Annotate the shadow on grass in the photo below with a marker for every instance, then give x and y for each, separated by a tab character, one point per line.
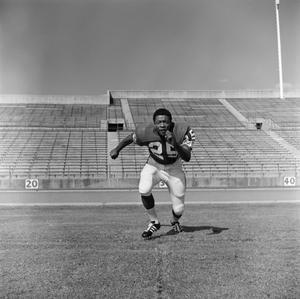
214	229
191	229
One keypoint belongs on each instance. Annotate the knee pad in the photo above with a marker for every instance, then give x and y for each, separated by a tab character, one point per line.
148	201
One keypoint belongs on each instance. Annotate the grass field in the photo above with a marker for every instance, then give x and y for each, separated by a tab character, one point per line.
97	252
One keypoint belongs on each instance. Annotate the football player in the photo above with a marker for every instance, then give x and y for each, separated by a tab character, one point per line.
168	143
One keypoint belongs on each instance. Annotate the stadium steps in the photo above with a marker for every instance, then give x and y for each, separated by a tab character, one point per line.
291	136
284	113
247	150
127	114
115	168
232	110
66	153
285	144
293	150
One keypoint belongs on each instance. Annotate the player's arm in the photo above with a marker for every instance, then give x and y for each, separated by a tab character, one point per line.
184	150
114	153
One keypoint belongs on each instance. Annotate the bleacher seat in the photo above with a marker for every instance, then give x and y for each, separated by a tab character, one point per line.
284	113
49	153
57	140
50	115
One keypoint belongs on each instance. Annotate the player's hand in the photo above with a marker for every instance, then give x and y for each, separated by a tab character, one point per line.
170	137
114	154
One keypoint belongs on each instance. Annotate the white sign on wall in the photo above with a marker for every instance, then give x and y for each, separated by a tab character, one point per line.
31	184
289	181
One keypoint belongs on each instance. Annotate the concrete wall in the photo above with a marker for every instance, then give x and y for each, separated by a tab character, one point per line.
203	182
69	184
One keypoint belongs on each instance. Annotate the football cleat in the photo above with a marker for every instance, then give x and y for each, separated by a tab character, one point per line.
152	227
176	226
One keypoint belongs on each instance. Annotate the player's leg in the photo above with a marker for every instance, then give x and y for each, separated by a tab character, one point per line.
177	187
148	179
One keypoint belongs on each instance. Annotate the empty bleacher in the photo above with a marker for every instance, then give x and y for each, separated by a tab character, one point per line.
52	140
291	136
283	113
199	112
53	153
52	115
239	153
224	146
133	158
203	113
70	141
223	153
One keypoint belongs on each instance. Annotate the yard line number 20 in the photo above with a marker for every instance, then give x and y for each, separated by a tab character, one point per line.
31	184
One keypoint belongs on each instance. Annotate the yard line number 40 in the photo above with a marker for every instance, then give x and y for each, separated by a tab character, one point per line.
289	181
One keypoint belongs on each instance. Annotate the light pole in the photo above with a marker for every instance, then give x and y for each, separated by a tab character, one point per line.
279	48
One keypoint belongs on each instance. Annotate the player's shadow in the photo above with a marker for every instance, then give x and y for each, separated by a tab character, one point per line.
213	230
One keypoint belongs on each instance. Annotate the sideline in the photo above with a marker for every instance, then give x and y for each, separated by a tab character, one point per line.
155	190
110	204
131	197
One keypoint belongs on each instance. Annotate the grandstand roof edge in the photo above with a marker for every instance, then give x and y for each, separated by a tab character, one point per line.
267	93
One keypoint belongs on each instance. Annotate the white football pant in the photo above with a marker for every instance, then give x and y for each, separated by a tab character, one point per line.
172	175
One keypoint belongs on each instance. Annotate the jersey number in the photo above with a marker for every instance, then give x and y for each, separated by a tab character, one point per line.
156	148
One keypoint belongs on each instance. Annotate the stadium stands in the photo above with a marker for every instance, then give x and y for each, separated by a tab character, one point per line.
53	153
52	115
284	113
221	152
224	147
291	136
199	112
133	158
71	140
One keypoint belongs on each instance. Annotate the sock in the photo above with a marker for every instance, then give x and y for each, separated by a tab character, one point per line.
148	203
175	216
152	215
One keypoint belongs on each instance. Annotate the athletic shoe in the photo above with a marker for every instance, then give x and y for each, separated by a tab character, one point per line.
176	226
152	227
